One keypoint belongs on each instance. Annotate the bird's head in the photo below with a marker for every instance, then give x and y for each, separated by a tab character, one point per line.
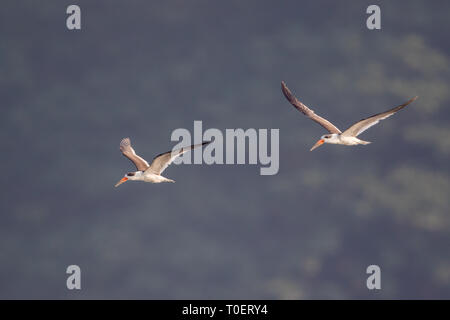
129	176
327	138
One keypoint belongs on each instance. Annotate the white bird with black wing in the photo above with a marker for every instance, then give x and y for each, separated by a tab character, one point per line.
349	136
151	173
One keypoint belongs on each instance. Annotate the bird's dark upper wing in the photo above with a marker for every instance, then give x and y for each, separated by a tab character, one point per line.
364	124
308	112
128	151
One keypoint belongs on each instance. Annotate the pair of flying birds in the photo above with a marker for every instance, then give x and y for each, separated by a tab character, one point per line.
152	173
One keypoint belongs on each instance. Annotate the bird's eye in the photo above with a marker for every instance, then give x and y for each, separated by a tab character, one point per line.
130	174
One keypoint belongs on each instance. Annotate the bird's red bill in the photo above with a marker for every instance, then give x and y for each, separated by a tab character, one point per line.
318	144
121	181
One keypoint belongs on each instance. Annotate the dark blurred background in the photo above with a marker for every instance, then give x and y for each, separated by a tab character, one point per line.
144	68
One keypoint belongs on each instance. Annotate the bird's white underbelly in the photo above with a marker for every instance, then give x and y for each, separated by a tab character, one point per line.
154	178
349	141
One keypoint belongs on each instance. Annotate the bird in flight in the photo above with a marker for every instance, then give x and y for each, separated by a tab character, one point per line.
335	136
151	173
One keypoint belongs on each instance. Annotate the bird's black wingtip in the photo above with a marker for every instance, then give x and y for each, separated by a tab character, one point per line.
287	93
207	142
